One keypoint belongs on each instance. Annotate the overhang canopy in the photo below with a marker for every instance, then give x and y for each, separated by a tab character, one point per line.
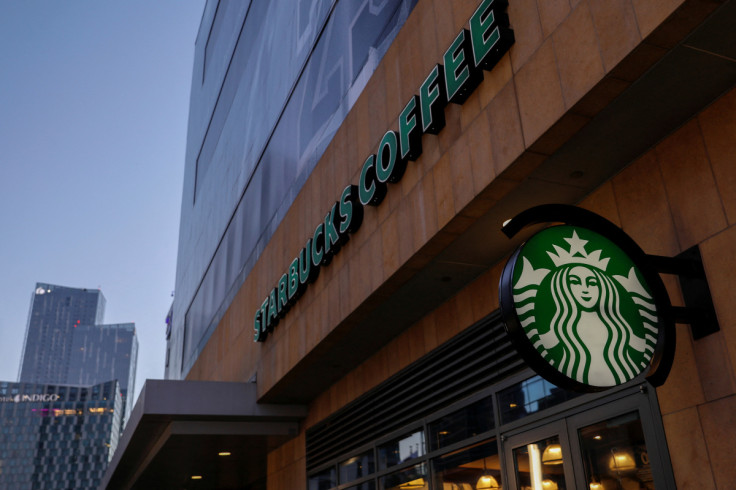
178	429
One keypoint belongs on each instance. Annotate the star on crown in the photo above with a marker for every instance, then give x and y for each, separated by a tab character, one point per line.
577	254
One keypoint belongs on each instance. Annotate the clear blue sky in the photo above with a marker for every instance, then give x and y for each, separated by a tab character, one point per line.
94	99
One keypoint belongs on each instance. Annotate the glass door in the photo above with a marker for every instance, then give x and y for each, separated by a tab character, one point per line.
540	459
615	445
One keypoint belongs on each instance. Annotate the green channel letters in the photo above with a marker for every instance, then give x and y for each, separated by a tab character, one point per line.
410	135
389	167
490	33
318	249
283	301
371	190
351	212
585	306
307	273
293	288
332	237
433	99
482	46
461	77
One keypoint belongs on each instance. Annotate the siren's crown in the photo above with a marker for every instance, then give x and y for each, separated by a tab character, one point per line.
577	254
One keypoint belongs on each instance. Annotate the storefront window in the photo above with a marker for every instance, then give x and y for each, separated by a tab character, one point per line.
474	468
539	465
402	449
369	485
413	478
615	455
323	481
469	421
357	467
530	396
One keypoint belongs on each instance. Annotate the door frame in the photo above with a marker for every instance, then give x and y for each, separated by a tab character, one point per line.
565	423
656	448
556	428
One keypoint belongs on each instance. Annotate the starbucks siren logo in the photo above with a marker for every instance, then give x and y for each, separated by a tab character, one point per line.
584	306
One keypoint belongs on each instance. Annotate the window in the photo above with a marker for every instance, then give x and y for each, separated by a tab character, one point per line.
530	396
357	467
462	449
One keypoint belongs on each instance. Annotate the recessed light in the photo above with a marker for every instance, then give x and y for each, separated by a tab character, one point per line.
196	477
223	453
597	438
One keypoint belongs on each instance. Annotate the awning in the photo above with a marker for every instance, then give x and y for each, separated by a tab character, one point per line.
184	429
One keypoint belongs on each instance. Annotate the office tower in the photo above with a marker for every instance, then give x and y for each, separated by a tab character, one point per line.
55	312
57	436
103	353
66	342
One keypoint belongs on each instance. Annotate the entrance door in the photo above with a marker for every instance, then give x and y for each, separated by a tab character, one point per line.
608	446
540	459
616	447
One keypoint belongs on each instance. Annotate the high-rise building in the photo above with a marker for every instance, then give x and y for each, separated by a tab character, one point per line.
55	313
57	436
105	352
67	342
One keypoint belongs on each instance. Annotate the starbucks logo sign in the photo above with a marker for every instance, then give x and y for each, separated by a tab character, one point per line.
580	309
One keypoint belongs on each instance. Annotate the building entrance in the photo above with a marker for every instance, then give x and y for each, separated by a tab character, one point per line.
609	446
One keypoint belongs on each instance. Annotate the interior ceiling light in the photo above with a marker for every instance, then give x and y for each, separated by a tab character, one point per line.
413	485
224	453
621	461
552	454
549	485
487	482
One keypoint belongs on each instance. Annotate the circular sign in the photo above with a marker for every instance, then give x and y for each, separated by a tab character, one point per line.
580	310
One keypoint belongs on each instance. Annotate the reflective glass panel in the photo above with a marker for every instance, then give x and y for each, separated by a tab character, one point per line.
402	449
469	421
413	478
530	396
357	467
323	481
474	468
615	455
369	485
539	465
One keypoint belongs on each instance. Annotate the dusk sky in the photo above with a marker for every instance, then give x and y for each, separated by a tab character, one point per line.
94	99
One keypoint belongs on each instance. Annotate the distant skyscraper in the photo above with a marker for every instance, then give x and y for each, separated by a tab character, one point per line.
57	437
103	353
55	312
66	342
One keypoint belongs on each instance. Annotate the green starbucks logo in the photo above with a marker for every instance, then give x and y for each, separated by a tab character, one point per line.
584	306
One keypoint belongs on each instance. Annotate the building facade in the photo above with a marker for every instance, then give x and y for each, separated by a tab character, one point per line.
67	342
341	252
57	436
55	312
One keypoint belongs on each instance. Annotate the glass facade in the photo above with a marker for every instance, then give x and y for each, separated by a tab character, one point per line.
462	449
104	353
561	440
57	436
241	177
66	342
55	312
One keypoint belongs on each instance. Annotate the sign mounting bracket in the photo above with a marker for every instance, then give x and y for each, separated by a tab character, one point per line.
698	311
